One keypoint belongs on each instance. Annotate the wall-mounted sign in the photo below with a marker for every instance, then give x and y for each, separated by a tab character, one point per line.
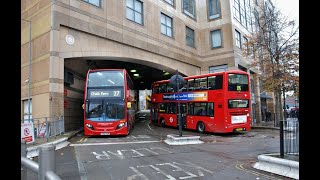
69	39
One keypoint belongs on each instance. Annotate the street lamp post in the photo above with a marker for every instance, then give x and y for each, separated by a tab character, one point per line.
29	65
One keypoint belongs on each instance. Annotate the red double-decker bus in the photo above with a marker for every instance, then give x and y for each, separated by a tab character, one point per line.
109	102
216	102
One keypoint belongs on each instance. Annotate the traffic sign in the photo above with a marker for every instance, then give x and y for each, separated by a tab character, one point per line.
27	132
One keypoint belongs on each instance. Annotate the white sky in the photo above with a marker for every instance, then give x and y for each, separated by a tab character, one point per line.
289	8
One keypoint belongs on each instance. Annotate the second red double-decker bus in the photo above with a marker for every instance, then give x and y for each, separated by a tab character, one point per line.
109	102
216	102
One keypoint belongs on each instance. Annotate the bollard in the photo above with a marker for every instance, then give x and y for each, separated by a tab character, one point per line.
47	160
23	154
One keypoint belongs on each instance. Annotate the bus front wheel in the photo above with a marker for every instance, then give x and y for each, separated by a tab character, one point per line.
200	127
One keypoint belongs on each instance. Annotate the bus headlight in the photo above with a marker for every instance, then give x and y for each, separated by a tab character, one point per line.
120	126
90	126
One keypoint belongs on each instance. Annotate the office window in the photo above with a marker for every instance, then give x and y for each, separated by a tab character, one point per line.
170	2
135	11
214	9
238	39
166	25
94	2
221	68
245	43
216	40
190	37
188	7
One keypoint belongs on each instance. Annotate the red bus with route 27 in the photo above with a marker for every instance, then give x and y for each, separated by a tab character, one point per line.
215	102
109	102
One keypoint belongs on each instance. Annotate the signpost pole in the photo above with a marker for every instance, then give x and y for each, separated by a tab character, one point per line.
179	115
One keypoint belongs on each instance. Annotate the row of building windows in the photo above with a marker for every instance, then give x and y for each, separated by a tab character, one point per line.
134	12
188	8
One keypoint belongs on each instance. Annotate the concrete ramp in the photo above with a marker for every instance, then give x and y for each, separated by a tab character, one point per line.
173	139
280	166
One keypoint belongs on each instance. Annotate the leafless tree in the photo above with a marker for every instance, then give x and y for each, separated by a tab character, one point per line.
274	48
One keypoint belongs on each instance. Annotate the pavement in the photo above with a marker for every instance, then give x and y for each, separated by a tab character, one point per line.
266	162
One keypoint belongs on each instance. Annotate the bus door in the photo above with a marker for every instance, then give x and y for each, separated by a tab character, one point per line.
183	112
154	113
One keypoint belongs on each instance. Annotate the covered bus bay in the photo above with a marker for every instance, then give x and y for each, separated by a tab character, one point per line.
142	73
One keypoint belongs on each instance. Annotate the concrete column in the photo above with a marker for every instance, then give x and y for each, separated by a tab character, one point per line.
257	99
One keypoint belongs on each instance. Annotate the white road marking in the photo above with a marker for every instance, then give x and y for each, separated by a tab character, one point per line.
100	144
81	168
150	127
180	169
138	173
148	150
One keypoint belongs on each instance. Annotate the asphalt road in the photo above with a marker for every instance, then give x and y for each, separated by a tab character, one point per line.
143	155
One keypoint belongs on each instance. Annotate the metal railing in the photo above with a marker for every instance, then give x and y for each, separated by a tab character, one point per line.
289	137
47	127
47	163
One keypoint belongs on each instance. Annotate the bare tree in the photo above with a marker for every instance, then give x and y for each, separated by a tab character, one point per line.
274	48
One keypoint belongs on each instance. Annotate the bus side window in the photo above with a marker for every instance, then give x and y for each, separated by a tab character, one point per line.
190	109
211	81
203	83
197	84
218	81
190	84
210	109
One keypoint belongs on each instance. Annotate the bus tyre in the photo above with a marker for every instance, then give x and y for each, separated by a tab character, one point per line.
162	122
200	127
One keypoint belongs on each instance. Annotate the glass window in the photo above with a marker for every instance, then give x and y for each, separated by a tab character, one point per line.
94	2
166	25
170	88
162	107
190	84
196	84
215	82
135	11
200	109
245	43
189	7
190	109
171	108
169	1
214	9
105	110
211	109
105	79
238	103
216	41
238	82
184	88
238	39
190	37
162	88
220	68
203	83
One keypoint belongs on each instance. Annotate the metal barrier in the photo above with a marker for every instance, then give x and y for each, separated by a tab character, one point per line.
289	137
47	127
47	163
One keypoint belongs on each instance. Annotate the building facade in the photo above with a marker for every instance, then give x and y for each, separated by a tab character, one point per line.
194	36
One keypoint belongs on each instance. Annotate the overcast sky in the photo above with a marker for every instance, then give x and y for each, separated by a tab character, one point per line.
289	8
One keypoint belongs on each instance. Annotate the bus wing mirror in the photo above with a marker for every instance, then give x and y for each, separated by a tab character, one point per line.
129	105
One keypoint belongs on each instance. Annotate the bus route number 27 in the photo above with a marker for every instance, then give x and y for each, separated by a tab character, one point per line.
116	93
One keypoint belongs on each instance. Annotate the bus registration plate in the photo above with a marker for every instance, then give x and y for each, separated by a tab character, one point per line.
105	133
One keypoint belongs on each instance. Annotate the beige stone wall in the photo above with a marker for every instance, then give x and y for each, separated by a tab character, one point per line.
39	13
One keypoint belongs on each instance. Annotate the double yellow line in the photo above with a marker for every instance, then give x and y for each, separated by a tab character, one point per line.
84	139
240	167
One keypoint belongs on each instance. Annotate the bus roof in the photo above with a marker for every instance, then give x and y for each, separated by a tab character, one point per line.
205	75
94	70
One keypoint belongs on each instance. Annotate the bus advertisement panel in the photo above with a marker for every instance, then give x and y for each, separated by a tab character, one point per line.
215	102
109	102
